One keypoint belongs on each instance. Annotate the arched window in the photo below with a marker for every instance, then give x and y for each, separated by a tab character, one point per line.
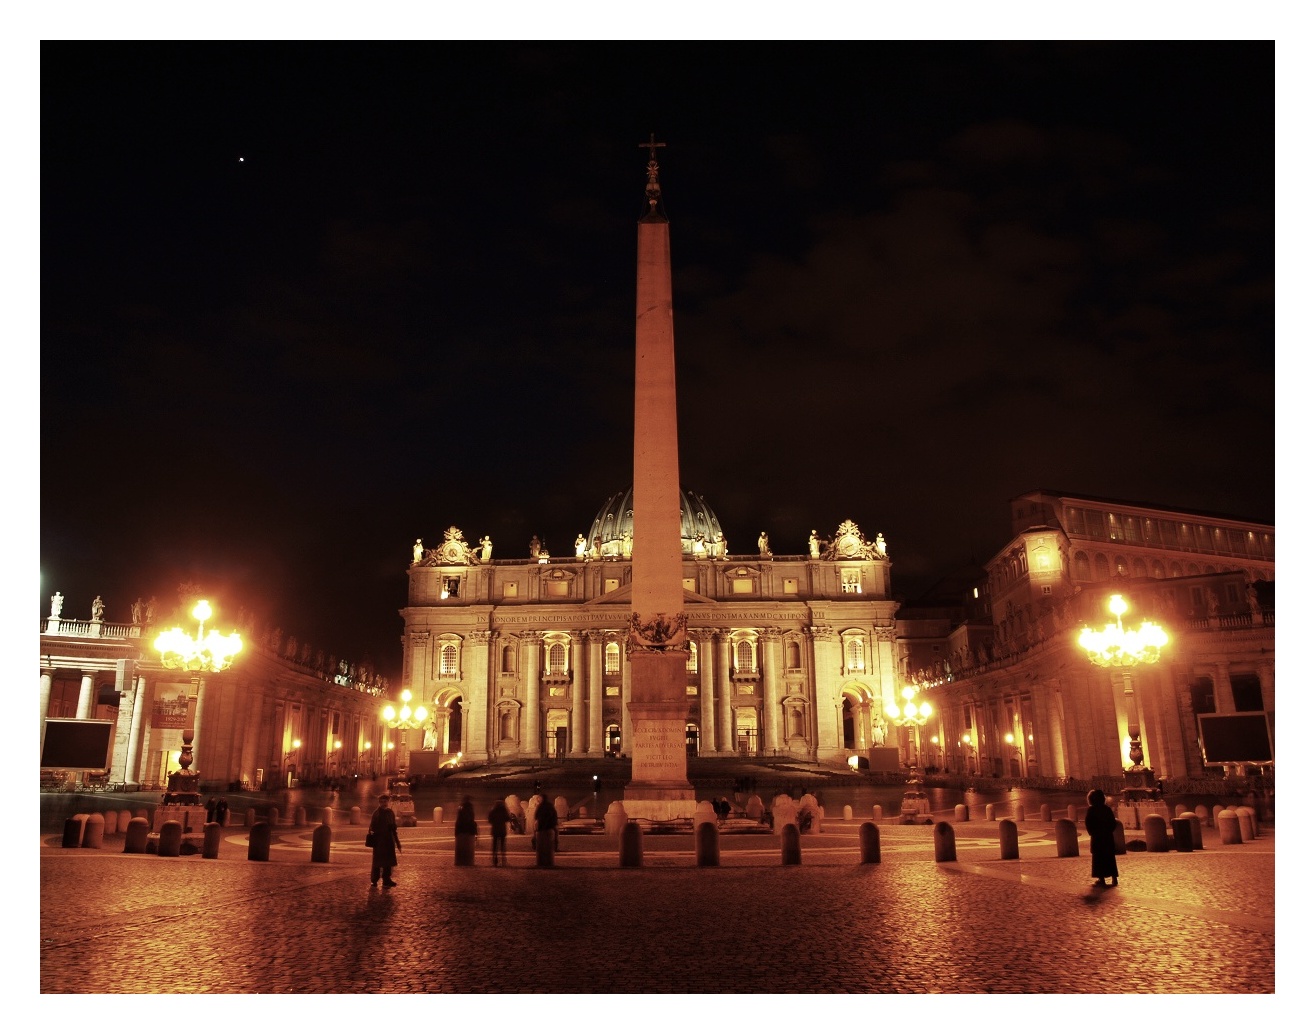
792	654
692	661
508	658
1081	567
612	659
447	663
1102	568
556	659
744	656
854	655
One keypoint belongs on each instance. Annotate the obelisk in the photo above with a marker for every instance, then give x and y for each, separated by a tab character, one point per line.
659	787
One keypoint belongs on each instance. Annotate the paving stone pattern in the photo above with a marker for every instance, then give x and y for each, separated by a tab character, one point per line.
1191	922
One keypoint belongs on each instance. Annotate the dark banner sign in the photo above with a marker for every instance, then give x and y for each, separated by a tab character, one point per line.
170	714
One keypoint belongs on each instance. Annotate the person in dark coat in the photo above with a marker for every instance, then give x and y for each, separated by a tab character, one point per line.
221	811
545	819
498	819
466	818
210	807
385	841
1100	827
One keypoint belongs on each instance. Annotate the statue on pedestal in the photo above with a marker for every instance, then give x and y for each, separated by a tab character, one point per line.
97	609
56	604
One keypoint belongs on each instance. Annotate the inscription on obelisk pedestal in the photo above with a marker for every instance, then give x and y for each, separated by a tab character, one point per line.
659	787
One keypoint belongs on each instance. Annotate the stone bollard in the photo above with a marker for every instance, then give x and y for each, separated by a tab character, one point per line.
1230	829
1020	815
93	833
1182	834
465	850
320	842
1120	843
299	816
1203	813
1214	815
211	834
111	822
545	848
1194	822
1066	838
849	812
142	813
943	842
1246	818
990	813
327	818
1157	833
614	822
125	816
961	813
258	843
134	842
250	819
438	816
707	847
753	808
1072	813
790	853
562	808
272	817
171	839
582	812
354	816
1008	840
632	843
876	813
73	827
704	812
1045	813
869	843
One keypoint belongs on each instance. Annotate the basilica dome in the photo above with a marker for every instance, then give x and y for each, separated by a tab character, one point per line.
614	527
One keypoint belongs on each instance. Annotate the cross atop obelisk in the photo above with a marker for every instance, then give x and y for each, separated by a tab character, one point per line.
659	705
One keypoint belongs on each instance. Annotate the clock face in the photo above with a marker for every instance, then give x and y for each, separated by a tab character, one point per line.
848	545
453	552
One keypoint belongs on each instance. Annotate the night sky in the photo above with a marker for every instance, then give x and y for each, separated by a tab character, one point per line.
301	304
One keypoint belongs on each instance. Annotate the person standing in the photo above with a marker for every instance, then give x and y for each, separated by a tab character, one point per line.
498	819
221	811
545	820
384	842
1100	827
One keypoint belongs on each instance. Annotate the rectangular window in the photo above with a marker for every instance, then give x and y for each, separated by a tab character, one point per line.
612	691
790	586
508	590
687	584
741	585
451	588
611	584
558	588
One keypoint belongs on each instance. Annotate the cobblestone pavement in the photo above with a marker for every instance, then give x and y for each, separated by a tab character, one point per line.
1180	922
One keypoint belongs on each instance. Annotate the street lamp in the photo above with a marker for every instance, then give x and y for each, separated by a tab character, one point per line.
199	655
912	716
1124	649
404	718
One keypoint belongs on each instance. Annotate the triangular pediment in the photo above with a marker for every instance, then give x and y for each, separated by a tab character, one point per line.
621	594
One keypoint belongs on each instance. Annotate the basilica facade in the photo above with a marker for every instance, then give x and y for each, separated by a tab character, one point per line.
802	655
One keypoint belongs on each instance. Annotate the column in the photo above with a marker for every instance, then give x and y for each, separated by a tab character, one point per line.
578	717
475	679
708	739
532	646
771	647
132	762
196	728
884	664
1224	702
251	756
86	695
722	675
596	640
47	682
826	668
119	755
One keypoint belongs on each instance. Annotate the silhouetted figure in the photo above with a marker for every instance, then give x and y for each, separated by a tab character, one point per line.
545	820
1100	827
498	819
210	807
385	843
466	818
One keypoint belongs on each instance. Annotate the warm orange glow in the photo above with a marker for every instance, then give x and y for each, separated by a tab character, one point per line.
1116	646
203	652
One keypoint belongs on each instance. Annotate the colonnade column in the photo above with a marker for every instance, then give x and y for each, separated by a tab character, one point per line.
578	717
708	741
47	681
132	761
86	695
532	643
475	713
771	640
1224	702
825	662
595	640
196	725
725	715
